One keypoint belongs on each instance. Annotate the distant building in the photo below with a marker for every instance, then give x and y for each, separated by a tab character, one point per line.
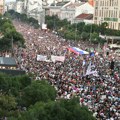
68	11
8	65
55	9
33	8
49	2
10	6
107	11
74	9
85	7
2	6
84	17
19	7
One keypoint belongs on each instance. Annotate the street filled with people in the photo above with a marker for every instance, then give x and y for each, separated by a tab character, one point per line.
93	78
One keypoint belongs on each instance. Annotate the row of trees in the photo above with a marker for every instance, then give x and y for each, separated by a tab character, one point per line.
21	98
8	34
80	30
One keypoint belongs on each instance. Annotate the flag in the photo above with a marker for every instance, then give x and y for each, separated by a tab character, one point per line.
91	70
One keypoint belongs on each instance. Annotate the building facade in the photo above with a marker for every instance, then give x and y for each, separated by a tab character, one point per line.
10	6
107	11
74	9
33	8
70	9
19	7
2	6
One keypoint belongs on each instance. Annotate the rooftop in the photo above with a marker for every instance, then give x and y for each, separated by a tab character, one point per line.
76	4
85	16
7	61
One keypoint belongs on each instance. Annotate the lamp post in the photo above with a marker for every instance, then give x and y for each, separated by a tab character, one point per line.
75	30
12	46
90	35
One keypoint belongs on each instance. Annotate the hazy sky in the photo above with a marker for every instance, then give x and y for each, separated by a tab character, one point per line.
9	0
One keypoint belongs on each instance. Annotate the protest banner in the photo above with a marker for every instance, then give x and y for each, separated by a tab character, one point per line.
57	58
41	58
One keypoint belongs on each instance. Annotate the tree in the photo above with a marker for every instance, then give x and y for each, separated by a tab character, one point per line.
38	91
12	85
5	44
103	28
94	37
80	27
7	105
85	36
57	110
88	28
10	35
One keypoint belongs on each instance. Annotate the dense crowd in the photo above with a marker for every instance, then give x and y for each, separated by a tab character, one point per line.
100	91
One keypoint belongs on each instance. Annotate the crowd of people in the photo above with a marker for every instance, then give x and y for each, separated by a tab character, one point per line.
99	92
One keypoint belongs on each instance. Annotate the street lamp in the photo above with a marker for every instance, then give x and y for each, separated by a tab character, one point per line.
90	33
75	30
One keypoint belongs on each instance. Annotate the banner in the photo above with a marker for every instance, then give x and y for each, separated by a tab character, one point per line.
41	58
91	70
57	58
44	26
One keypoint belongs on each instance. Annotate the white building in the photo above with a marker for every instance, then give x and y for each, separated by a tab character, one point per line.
55	9
84	8
49	2
33	8
75	8
19	7
10	5
107	11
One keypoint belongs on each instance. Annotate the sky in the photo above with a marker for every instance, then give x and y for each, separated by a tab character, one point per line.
9	0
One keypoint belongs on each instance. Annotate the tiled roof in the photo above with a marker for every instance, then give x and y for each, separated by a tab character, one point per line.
73	5
85	16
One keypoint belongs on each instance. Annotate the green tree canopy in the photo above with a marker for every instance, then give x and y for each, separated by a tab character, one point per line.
7	105
59	110
38	91
38	97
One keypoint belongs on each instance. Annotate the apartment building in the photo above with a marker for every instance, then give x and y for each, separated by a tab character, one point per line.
107	11
2	6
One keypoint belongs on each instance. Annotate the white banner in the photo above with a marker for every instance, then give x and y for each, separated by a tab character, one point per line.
57	58
91	70
41	58
44	26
